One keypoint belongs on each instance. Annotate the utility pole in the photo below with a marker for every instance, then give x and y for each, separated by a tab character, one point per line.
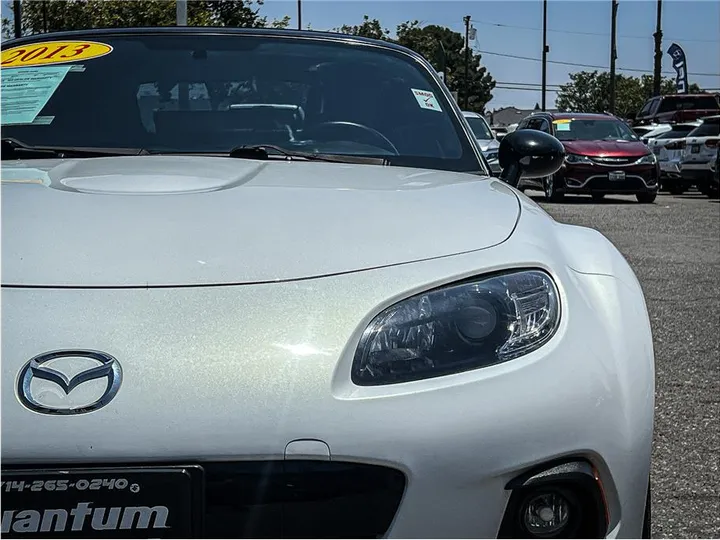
613	54
17	18
181	12
299	14
466	19
544	54
658	51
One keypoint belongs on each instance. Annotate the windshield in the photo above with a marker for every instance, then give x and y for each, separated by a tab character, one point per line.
676	103
593	130
479	128
195	93
678	132
709	128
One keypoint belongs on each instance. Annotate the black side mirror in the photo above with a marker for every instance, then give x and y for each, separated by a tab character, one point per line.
528	153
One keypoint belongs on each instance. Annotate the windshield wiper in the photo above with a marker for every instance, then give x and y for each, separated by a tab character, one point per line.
260	151
14	149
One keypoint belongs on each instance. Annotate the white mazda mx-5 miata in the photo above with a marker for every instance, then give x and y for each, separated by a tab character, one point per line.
258	283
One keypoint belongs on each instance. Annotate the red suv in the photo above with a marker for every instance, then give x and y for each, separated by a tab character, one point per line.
604	156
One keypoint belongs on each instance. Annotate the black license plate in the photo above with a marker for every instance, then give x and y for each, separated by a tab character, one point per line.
146	502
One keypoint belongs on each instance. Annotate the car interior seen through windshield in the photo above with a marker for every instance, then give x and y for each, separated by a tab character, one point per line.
206	94
579	129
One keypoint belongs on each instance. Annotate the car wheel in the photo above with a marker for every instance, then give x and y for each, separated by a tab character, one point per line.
552	192
597	197
646	198
713	192
647	520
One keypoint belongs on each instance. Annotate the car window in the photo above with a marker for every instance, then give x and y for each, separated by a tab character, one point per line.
676	103
479	127
646	109
706	129
201	93
676	133
593	130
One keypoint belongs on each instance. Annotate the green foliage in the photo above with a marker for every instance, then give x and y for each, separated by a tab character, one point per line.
589	91
56	15
444	49
368	28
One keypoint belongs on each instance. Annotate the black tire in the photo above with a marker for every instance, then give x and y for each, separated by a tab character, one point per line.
647	520
597	197
552	192
646	197
713	193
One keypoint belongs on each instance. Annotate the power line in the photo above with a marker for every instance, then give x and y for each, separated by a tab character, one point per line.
501	25
526	89
517	57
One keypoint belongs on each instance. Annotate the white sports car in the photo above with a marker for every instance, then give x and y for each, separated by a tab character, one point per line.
258	283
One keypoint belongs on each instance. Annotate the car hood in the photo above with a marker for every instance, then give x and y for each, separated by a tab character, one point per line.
189	220
606	148
488	144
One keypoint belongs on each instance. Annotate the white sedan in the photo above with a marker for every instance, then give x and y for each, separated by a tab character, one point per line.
262	285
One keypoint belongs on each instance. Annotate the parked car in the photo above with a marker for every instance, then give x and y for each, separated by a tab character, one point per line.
715	181
486	139
255	322
677	108
668	149
646	133
698	153
604	157
500	131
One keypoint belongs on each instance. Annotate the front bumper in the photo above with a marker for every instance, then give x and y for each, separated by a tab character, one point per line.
587	179
670	169
234	374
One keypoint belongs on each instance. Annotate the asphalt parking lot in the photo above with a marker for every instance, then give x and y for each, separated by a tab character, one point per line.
674	247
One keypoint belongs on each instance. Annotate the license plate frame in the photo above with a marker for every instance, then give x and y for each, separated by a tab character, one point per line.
695	149
169	500
616	176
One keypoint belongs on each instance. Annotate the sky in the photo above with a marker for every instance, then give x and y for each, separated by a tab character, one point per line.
578	33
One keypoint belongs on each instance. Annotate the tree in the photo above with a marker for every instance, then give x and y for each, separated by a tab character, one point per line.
368	28
589	91
57	15
445	50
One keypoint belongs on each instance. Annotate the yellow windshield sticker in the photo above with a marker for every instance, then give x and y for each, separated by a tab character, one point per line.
53	52
562	121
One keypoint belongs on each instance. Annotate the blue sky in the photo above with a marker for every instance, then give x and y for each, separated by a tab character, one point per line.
578	32
694	25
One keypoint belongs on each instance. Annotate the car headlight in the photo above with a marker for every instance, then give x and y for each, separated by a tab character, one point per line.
576	158
491	156
649	159
457	328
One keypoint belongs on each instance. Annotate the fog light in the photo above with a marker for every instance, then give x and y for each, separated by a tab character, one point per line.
546	514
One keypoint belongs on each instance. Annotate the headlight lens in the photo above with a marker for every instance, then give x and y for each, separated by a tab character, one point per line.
650	159
458	328
576	158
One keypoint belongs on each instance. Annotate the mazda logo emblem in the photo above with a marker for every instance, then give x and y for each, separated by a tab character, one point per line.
36	370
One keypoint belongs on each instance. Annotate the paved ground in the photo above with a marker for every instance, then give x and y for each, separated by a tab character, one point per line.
674	247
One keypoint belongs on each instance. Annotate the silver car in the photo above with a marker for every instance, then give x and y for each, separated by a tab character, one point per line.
486	139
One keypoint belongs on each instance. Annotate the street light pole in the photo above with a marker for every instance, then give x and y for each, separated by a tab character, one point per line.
17	18
181	12
299	14
658	51
544	54
613	54
466	19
